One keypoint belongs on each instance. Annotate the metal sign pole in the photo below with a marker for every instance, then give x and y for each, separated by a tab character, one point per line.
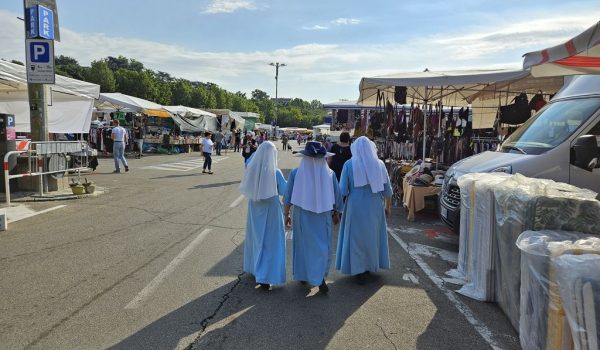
40	59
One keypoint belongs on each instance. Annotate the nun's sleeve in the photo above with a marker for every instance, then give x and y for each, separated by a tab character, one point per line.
281	183
387	189
345	180
339	203
287	197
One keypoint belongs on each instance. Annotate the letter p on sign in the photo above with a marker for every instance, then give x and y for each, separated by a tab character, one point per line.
40	52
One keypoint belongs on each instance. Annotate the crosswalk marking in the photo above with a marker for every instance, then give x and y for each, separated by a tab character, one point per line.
184	165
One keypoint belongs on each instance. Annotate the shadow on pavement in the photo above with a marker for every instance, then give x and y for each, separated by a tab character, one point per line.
292	316
220	184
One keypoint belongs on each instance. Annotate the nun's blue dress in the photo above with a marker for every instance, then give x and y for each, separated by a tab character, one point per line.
362	242
264	247
312	235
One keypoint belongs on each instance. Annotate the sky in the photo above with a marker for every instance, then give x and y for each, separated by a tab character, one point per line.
327	45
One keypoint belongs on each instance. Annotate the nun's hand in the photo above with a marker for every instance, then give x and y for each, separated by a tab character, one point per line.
335	217
288	221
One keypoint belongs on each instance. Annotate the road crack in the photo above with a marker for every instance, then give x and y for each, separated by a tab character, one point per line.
386	336
205	322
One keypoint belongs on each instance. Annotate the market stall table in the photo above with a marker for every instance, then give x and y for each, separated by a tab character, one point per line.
414	197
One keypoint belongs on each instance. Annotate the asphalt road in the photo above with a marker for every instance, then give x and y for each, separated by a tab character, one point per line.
156	263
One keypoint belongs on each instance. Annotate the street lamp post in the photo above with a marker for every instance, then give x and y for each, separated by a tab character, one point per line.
276	65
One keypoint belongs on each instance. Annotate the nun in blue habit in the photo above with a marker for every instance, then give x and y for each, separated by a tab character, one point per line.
264	247
362	245
314	194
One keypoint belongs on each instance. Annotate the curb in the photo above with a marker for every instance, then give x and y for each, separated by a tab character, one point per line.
59	196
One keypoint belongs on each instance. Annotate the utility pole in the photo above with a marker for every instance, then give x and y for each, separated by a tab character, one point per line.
276	65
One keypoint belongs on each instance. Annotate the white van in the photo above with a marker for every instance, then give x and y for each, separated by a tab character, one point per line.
561	142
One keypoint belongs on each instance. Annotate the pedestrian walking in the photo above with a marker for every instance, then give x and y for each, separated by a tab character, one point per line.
237	140
264	247
219	142
119	138
284	141
207	147
139	132
313	191
362	242
341	153
248	148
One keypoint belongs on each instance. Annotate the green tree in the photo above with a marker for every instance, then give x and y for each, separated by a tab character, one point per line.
138	84
99	73
182	92
69	67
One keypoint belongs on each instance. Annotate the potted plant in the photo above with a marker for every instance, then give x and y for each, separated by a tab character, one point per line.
76	187
89	186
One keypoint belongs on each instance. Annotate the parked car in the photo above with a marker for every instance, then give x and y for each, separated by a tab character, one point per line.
561	142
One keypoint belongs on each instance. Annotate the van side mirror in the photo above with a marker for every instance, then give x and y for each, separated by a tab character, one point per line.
584	151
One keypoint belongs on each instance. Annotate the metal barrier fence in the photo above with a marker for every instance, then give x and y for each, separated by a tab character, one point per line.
48	158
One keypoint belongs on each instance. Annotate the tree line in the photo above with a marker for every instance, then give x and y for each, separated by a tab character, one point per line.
130	77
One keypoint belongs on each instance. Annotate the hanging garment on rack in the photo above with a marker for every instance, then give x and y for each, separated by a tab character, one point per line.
417	117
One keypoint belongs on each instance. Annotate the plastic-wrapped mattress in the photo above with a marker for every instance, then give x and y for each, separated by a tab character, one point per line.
466	183
543	324
481	241
521	204
579	283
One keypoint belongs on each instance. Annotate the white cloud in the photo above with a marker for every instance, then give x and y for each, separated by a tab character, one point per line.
317	71
315	27
345	21
229	6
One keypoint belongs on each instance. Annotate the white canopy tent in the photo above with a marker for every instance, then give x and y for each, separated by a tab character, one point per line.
484	90
117	101
193	119
227	116
579	55
70	101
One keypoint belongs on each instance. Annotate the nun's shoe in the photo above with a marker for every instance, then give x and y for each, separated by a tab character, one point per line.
323	288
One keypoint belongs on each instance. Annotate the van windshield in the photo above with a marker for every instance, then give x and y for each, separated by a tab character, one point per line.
553	125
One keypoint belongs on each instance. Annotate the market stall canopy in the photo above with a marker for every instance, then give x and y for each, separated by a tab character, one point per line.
484	90
347	105
14	78
189	112
580	55
119	101
193	120
70	104
227	114
250	119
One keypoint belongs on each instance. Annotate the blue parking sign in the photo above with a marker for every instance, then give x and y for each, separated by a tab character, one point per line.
40	22
39	52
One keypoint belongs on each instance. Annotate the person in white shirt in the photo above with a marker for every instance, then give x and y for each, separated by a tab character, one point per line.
207	146
119	138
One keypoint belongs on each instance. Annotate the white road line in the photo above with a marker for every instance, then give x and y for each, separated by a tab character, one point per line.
15	214
479	326
425	250
236	202
410	277
149	289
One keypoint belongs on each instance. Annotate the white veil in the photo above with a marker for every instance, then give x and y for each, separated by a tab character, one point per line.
367	167
259	180
313	187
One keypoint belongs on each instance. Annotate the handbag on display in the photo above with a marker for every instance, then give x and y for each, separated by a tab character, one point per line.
517	112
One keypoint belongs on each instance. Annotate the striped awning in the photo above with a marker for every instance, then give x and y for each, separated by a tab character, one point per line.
580	55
